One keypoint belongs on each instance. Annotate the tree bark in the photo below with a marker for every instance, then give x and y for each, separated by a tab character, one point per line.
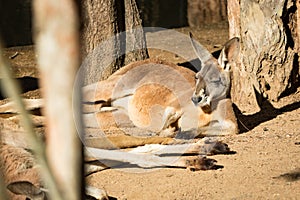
233	12
135	38
268	66
298	29
206	12
106	47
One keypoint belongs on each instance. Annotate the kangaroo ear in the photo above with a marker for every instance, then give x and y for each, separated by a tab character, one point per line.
201	52
26	188
229	53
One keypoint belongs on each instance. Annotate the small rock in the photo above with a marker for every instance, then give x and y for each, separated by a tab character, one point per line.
169	175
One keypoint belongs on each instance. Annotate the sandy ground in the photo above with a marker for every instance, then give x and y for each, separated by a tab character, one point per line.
266	164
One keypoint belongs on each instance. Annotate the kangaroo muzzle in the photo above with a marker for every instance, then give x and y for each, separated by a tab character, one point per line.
196	99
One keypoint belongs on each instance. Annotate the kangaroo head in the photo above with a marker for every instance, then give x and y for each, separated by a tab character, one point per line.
213	78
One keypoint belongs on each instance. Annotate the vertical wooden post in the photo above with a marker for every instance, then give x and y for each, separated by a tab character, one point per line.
57	43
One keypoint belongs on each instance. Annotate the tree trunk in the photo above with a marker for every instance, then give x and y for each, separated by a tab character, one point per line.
206	12
268	67
106	47
297	43
135	38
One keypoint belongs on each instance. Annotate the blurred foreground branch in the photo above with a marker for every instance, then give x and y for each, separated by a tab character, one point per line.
12	90
57	43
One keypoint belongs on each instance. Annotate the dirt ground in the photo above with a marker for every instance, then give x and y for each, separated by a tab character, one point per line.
266	164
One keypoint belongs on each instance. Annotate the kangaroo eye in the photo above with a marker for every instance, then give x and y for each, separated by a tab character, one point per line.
202	92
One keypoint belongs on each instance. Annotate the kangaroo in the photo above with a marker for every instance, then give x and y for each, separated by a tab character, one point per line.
21	173
22	176
162	97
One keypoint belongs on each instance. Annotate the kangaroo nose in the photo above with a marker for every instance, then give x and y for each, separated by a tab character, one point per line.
196	99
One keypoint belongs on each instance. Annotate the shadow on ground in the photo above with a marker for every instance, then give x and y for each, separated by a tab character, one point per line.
267	113
26	84
290	176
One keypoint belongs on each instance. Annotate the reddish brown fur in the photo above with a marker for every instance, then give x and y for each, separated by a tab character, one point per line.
154	106
18	164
